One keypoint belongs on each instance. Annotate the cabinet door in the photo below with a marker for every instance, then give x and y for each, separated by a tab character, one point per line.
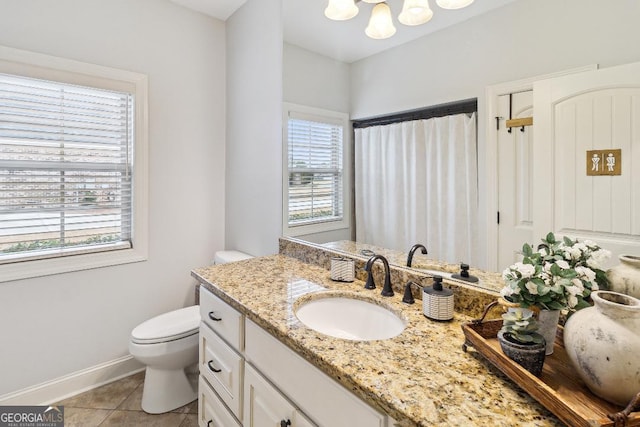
264	406
320	397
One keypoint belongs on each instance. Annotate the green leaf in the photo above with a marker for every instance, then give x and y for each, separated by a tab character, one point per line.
550	238
527	250
555	305
538	281
525	338
601	279
543	289
568	241
581	304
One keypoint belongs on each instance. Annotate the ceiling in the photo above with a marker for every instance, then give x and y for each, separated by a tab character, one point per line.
306	26
221	9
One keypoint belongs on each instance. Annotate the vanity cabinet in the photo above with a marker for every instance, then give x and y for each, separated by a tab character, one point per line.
249	378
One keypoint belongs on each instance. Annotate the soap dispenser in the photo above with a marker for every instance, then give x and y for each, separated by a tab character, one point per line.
437	302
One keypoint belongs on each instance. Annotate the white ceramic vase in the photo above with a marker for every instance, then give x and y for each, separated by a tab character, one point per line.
624	278
603	344
547	327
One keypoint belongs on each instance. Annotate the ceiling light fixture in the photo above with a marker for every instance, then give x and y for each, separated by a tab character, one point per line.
414	12
453	4
341	10
380	23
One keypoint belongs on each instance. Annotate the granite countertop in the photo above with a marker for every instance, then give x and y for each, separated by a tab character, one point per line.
421	377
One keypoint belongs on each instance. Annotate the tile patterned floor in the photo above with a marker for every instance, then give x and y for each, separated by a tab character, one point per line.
118	405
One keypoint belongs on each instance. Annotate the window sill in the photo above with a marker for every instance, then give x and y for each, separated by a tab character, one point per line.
51	266
322	227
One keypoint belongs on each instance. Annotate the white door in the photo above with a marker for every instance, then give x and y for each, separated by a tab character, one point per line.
515	181
264	406
597	110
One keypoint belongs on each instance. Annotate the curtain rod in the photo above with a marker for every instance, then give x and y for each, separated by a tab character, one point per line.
441	110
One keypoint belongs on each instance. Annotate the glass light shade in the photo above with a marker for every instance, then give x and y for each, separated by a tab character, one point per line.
341	10
380	24
453	4
415	12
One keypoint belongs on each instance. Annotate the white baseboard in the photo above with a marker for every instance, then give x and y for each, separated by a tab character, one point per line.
75	383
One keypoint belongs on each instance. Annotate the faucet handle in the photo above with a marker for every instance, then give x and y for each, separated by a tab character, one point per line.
408	296
464	274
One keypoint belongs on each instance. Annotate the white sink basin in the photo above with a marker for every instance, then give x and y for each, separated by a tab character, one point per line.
349	318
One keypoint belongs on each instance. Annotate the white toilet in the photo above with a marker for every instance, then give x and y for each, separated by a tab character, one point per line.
168	345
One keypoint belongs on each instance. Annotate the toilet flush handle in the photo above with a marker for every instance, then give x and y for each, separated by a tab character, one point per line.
214	318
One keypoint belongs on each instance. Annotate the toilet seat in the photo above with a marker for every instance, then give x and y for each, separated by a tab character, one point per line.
169	326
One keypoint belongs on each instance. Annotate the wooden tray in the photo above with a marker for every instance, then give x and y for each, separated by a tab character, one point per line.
559	388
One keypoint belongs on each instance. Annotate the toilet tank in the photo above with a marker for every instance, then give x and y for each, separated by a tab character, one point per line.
223	257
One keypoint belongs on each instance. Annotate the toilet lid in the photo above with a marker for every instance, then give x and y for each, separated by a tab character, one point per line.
168	326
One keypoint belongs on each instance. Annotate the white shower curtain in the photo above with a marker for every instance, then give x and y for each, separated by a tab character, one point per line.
416	182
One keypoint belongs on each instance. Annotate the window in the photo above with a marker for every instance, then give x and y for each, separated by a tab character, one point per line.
316	174
69	151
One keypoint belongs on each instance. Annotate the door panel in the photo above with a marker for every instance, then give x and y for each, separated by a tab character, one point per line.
515	181
596	110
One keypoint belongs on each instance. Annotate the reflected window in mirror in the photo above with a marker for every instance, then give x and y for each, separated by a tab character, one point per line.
315	172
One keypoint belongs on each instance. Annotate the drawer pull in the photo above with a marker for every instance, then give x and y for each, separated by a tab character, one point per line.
285	423
209	423
212	368
214	318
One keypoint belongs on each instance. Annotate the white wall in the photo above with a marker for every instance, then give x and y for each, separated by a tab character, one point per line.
314	80
523	39
317	81
254	128
57	325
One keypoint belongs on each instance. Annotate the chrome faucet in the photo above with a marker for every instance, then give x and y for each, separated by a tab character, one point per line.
386	289
413	249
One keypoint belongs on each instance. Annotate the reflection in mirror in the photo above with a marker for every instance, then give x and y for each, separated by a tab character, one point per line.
319	81
420	263
416	180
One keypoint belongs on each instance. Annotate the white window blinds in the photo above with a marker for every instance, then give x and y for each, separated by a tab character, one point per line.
315	191
65	169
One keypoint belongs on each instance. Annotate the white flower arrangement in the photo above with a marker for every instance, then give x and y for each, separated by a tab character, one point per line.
560	275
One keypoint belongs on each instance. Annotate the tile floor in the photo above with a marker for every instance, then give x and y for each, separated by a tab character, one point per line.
118	404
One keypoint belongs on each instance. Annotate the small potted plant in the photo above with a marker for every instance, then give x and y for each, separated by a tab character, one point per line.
519	340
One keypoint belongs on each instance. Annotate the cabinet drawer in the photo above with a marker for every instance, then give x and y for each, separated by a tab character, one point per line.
211	410
222	318
222	368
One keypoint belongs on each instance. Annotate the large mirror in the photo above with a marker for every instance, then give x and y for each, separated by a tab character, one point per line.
318	67
484	48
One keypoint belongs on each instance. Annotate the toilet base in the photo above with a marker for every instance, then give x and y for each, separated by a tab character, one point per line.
166	390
